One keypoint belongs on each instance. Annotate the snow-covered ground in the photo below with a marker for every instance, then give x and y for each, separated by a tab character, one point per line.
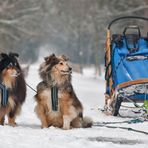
90	91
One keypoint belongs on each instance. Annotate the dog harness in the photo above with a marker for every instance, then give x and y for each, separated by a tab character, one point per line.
54	98
4	95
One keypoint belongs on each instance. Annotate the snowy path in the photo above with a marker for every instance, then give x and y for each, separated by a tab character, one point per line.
90	91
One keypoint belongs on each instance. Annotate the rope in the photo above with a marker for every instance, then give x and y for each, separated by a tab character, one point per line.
133	121
54	96
125	128
135	104
31	88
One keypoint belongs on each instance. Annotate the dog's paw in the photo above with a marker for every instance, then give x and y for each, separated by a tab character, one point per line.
12	124
65	128
44	126
66	122
2	121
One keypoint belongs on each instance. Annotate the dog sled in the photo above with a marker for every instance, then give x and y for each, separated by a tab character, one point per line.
126	66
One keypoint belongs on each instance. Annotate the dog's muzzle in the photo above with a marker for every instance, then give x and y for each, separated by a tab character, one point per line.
15	74
66	72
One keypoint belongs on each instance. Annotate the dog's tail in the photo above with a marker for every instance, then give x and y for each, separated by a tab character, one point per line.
82	122
87	122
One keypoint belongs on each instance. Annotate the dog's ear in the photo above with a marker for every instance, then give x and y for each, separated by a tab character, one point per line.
49	58
3	55
63	57
11	54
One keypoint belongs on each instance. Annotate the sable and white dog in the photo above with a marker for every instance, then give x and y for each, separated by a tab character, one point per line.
56	73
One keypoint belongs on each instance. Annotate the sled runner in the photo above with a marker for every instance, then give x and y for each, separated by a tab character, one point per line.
126	62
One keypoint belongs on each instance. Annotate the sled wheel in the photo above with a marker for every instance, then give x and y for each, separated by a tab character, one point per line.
116	106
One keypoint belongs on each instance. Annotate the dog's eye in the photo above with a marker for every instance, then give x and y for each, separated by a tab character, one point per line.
61	63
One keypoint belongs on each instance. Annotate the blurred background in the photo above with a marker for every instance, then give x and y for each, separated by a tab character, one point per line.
76	28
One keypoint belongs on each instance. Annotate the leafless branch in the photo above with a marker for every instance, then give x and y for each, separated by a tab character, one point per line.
8	33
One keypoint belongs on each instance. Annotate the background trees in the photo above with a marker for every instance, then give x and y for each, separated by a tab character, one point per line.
76	28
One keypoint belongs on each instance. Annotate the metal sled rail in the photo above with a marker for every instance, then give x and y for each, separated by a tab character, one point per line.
126	17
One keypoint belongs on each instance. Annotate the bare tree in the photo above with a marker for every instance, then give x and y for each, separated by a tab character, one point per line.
74	27
19	23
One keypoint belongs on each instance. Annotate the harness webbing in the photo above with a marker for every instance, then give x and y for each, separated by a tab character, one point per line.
54	98
4	95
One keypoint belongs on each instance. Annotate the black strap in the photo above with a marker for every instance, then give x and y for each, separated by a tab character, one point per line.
54	98
4	95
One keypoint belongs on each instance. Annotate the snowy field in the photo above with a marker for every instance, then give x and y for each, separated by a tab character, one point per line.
90	91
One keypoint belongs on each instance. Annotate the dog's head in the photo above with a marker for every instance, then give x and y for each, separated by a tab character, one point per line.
56	67
9	65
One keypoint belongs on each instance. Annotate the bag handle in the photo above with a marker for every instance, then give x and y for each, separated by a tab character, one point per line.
134	28
133	49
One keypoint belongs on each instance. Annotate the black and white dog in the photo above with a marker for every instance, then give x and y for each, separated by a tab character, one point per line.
12	87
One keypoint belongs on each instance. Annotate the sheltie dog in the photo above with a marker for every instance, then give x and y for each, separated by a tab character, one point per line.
56	72
12	88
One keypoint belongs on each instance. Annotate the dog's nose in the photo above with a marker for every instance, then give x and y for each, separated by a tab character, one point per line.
70	68
18	71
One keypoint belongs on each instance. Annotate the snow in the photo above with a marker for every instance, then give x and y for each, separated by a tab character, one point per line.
90	90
